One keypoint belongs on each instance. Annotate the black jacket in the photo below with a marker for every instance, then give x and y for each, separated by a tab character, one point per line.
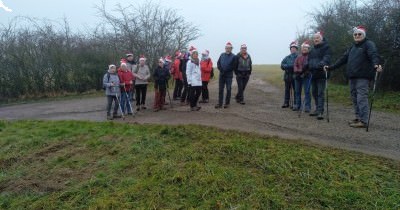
361	59
319	57
161	77
226	64
245	67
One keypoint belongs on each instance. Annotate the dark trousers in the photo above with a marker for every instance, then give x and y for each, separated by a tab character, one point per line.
186	90
289	91
178	89
204	91
222	83
318	92
242	83
110	100
195	92
141	92
159	98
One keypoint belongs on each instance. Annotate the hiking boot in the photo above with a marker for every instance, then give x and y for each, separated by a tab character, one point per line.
314	114
144	107
358	124
353	121
242	103
138	108
296	109
226	106
197	108
284	106
218	106
109	117
130	113
202	101
156	110
320	116
307	111
117	116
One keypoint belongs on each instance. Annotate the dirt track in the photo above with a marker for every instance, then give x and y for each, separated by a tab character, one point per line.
262	114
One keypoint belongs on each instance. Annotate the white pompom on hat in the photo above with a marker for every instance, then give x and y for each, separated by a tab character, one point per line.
229	44
112	66
142	58
294	44
319	33
306	44
360	29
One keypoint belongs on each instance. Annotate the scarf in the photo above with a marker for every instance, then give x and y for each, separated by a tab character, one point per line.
195	61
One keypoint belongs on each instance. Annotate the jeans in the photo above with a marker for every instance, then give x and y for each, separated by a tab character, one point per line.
204	91
110	100
224	81
178	89
242	83
126	101
289	87
195	92
318	92
299	83
359	95
141	91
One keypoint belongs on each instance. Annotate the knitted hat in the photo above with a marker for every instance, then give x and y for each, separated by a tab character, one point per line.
294	44
360	29
306	44
142	58
229	44
320	33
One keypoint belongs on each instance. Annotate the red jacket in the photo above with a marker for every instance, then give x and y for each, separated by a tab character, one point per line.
206	68
175	71
126	77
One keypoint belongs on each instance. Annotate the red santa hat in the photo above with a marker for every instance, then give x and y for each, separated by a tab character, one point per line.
178	54
306	44
142	58
206	53
244	46
319	33
294	44
168	58
123	60
229	44
360	29
161	60
128	54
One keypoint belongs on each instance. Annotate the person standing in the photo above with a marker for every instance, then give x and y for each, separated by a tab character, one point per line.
111	85
319	57
206	66
126	81
242	72
226	65
142	74
302	79
194	80
185	91
287	65
131	64
177	75
362	61
161	76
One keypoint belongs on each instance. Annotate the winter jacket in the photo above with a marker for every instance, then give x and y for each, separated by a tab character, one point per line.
361	59
175	70
301	64
319	57
206	67
226	64
111	83
193	73
131	65
125	77
287	65
243	65
141	71
161	76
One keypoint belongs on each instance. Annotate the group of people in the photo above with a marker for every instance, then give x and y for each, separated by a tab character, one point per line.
309	70
191	75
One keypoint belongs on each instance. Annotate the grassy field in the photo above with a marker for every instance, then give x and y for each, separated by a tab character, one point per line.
70	165
384	101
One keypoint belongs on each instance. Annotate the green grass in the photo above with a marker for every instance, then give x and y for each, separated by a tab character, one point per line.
70	165
384	101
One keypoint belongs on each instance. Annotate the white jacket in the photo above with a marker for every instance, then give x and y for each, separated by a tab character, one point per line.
193	73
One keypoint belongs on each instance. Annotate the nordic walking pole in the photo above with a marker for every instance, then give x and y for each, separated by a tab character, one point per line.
120	108
327	96
129	101
372	99
304	100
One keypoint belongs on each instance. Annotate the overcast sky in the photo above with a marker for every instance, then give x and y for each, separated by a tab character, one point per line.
267	27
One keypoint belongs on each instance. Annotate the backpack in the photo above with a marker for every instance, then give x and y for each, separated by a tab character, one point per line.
108	80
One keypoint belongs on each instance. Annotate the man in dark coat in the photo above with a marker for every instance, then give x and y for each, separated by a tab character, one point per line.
226	66
362	61
319	57
242	71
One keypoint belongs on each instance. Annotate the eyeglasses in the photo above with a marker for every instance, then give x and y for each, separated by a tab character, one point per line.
357	34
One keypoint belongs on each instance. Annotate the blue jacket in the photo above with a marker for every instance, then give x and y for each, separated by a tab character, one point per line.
111	83
226	64
287	65
319	57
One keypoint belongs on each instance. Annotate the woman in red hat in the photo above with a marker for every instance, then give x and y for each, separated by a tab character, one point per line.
206	66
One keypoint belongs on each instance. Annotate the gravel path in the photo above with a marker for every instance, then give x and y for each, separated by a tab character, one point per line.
262	114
